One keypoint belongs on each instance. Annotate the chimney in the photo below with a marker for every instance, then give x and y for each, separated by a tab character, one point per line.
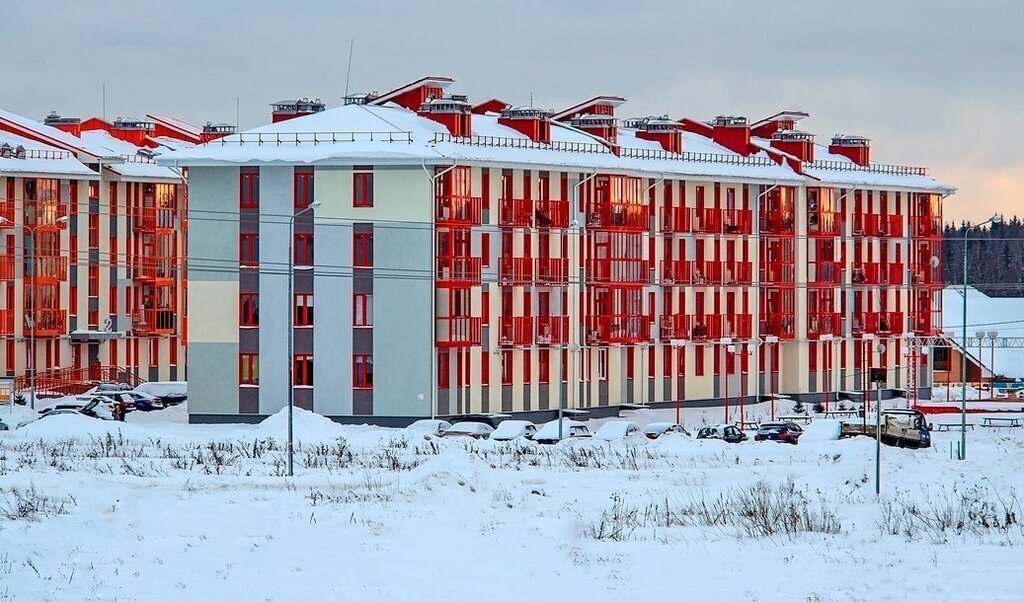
664	131
529	121
854	148
732	132
796	143
132	130
452	111
71	125
284	110
213	131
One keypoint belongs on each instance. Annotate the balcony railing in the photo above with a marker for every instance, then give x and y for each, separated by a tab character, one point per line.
515	271
515	212
824	273
457	210
153	218
458	271
778	273
707	220
822	323
7	213
47	322
150	269
619	271
927	321
618	329
870	224
782	325
458	331
515	331
927	226
883	322
676	219
6	322
153	321
6	268
552	330
47	268
551	214
737	221
618	216
777	222
822	223
706	273
706	328
552	271
924	275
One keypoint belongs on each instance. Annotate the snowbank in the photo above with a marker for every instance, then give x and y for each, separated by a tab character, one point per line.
307	426
77	426
822	430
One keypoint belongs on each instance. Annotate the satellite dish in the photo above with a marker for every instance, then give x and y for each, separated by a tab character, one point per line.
934	261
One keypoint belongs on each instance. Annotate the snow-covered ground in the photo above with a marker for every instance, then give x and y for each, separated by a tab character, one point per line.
157	509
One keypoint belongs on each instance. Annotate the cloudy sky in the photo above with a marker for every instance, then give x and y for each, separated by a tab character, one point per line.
937	83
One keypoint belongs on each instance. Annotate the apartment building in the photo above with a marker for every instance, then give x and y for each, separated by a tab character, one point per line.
501	258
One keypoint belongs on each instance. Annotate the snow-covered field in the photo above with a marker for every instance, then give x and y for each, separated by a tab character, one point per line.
157	509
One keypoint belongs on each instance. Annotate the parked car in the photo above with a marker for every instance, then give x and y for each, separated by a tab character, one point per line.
93	407
726	432
125	403
144	402
616	429
428	426
655	430
168	392
783	432
473	430
513	429
570	430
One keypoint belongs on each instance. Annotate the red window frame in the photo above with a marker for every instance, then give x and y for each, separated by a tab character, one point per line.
362	250
249	369
303	249
249	309
94	231
485	368
698	360
303	193
249	249
94	280
362	310
544	366
362	371
362	189
303	310
443	378
506	367
302	370
154	353
249	190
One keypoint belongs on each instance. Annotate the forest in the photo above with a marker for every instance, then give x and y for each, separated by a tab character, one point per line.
995	257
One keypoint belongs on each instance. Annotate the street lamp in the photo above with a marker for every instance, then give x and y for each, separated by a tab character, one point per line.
31	230
879	349
291	332
992	336
995	219
729	350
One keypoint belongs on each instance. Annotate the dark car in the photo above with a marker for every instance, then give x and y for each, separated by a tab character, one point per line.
726	432
783	432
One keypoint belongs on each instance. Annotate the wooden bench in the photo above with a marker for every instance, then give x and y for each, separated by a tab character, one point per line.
795	418
999	422
747	425
945	426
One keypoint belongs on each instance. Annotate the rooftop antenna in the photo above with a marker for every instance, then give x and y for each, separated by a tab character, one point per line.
531	99
348	73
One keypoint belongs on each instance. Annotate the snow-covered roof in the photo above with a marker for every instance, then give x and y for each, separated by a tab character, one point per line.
140	169
839	170
40	159
179	125
1004	315
169	143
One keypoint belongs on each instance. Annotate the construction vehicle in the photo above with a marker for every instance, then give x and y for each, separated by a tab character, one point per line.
900	428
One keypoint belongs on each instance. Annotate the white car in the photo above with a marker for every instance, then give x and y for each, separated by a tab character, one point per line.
473	430
570	430
616	429
513	429
92	406
428	426
655	430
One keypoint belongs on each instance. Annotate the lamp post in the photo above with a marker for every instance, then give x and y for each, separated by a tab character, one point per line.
992	336
771	340
995	219
291	333
31	231
729	349
880	348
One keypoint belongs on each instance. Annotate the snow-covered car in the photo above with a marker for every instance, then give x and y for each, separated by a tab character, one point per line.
473	430
616	429
655	430
783	432
726	432
92	406
144	402
570	430
169	393
513	429
428	426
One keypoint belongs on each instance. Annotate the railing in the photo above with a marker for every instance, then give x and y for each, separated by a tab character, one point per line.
551	214
706	273
297	138
866	274
927	226
676	219
148	269
552	270
6	268
515	330
782	325
552	330
6	322
778	273
707	220
927	321
822	223
154	321
619	271
618	329
618	216
706	328
661	154
822	323
884	322
737	221
923	274
877	225
75	381
458	210
777	222
515	212
458	331
47	267
31	153
899	170
458	271
514	271
7	213
825	273
47	322
893	274
151	218
508	142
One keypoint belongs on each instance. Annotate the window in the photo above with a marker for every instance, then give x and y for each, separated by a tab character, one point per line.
362	310
544	362
249	309
506	367
94	231
602	364
698	360
154	352
485	246
362	250
304	309
94	280
248	368
303	370
249	250
362	371
303	188
303	249
362	189
442	369
249	190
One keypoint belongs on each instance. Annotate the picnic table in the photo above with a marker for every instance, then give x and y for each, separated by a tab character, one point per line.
945	426
796	418
747	425
841	413
1000	422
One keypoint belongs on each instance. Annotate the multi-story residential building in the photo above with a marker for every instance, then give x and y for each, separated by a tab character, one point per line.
497	258
94	237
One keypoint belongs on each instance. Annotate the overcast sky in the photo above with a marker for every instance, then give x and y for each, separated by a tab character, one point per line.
937	83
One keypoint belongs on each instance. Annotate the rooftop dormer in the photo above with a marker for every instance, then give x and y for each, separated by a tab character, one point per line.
666	132
783	120
732	132
854	148
595	116
213	131
71	125
360	98
290	109
532	122
413	94
452	111
796	143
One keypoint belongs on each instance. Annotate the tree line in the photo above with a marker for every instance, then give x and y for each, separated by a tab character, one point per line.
995	257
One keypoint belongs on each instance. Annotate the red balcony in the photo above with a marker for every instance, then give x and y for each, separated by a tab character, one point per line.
6	268
552	271
48	268
619	271
515	271
551	214
602	330
707	221
891	226
822	323
737	221
676	272
515	212
706	273
153	218
778	273
782	325
892	274
47	322
627	217
552	330
824	273
822	223
924	275
927	321
883	323
459	332
457	272
870	224
515	331
458	210
927	226
7	213
6	322
777	222
676	219
154	321
152	269
865	274
706	328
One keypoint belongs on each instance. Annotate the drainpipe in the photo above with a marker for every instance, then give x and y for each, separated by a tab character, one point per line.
581	341
757	293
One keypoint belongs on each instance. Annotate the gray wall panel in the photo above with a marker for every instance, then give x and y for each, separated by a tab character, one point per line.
212	189
209	392
276	200
332	343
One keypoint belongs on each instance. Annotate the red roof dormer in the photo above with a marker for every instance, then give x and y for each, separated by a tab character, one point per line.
796	143
664	131
854	148
596	117
529	121
214	131
733	133
490	106
414	94
783	120
284	110
71	125
452	111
